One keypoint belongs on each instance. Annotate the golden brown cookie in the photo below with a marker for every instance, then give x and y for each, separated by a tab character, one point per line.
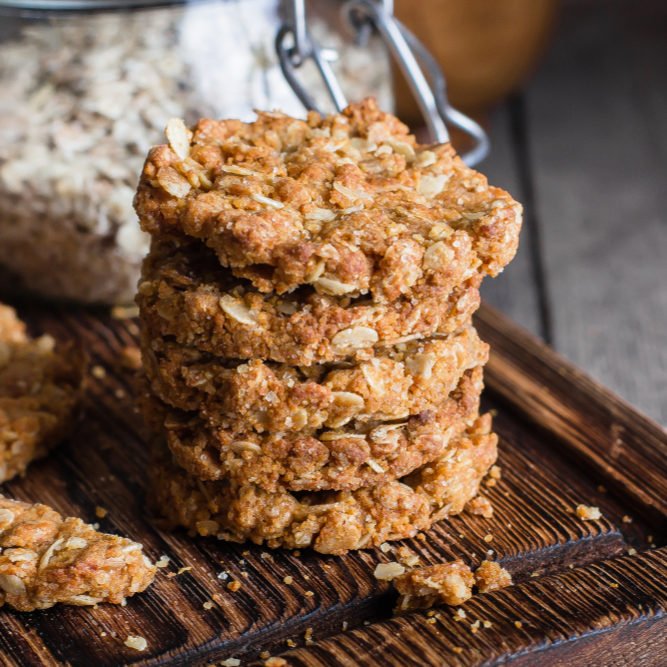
349	204
185	293
397	382
45	559
347	458
330	522
41	389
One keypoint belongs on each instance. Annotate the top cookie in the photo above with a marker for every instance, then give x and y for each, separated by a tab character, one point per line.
349	203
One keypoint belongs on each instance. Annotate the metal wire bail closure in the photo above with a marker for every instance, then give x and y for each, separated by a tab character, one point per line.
305	46
404	47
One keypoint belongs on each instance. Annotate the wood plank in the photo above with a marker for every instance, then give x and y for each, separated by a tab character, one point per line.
598	134
574	618
534	529
598	427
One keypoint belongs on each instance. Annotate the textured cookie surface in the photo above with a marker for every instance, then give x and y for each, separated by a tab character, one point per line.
349	204
41	389
356	455
185	293
399	381
45	559
329	521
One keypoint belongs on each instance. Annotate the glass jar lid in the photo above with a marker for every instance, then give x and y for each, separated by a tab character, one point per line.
57	6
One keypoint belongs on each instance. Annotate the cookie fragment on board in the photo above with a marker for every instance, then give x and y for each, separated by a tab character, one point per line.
447	583
350	204
41	389
347	458
328	521
45	560
185	293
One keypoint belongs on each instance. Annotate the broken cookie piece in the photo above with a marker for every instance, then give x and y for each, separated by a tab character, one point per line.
41	389
447	583
45	559
490	576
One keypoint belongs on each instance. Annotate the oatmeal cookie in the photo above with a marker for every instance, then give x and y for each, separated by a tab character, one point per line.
359	454
398	382
41	390
349	204
45	559
185	293
331	522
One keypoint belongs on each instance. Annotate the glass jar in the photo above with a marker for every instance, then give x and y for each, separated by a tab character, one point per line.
83	96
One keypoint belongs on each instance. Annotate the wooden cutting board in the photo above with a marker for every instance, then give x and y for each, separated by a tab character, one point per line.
586	593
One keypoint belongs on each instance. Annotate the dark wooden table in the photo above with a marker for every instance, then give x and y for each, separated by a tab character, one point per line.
585	148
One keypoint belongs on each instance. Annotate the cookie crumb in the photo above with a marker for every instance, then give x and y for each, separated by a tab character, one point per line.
518	624
275	662
124	312
588	513
130	358
490	576
234	586
388	571
627	519
482	507
98	372
100	512
288	580
384	547
138	643
230	662
208	605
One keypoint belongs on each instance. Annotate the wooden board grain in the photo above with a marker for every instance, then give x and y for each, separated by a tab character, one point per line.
535	533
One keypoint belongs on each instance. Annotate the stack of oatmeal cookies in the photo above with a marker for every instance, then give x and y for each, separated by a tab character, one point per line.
308	349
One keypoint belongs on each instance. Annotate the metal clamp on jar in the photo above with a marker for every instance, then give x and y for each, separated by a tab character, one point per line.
364	16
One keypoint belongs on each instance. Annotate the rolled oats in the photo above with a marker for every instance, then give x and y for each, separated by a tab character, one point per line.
328	521
351	457
84	100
